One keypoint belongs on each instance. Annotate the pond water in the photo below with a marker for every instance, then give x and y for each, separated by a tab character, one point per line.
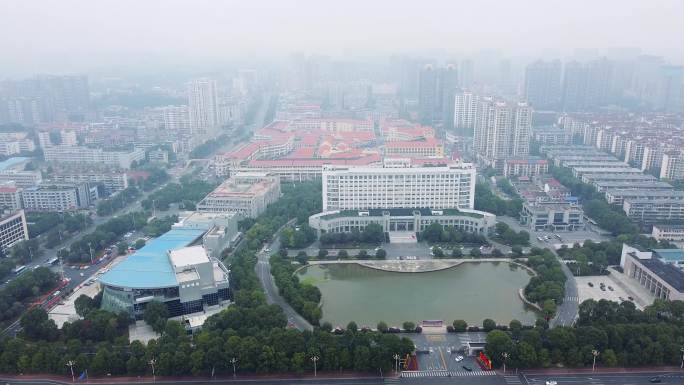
470	291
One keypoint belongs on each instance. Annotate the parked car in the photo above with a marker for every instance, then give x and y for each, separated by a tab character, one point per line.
590	284
468	368
610	288
459	358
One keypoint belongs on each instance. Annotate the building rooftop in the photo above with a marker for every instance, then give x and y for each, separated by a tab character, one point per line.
670	255
188	256
13	162
150	266
667	272
645	192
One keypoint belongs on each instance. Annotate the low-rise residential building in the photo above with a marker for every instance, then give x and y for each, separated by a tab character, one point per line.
604	185
247	194
552	136
577	172
402	220
78	154
430	147
665	232
10	197
58	198
652	211
552	216
13	229
618	196
158	156
21	178
525	166
607	176
112	182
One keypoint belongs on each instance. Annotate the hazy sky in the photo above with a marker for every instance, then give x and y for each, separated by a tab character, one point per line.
83	35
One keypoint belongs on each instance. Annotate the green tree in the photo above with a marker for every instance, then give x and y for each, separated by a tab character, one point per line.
156	314
488	324
322	253
609	358
437	252
456	253
460	325
36	325
363	254
475	253
498	342
409	326
382	327
342	254
302	258
83	305
380	254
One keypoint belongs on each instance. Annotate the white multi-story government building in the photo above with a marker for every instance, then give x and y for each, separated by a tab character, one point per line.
398	185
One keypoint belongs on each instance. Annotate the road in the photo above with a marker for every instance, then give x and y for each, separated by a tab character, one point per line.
603	379
185	381
568	310
263	271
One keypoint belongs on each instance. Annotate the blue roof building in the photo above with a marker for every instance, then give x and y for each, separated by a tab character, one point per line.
174	269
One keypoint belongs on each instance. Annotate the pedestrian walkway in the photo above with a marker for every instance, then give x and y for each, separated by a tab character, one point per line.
445	373
572	299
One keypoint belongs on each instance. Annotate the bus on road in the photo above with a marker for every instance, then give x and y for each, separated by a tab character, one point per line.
52	261
19	269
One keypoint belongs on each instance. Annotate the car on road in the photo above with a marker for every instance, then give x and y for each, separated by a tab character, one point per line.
458	358
81	274
467	368
551	382
655	380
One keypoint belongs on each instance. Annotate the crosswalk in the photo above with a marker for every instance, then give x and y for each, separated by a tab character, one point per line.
446	373
512	380
572	299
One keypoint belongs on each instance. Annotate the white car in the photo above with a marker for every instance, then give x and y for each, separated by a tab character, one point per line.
459	358
549	382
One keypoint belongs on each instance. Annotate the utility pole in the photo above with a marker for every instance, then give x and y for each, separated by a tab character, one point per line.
594	353
396	362
233	361
505	356
90	247
71	364
154	376
314	359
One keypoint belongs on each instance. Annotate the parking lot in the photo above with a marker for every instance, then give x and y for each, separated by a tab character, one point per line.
585	291
438	352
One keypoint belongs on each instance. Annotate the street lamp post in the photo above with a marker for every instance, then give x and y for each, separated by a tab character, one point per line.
505	356
233	361
90	247
314	359
396	362
594	353
154	376
682	365
71	364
